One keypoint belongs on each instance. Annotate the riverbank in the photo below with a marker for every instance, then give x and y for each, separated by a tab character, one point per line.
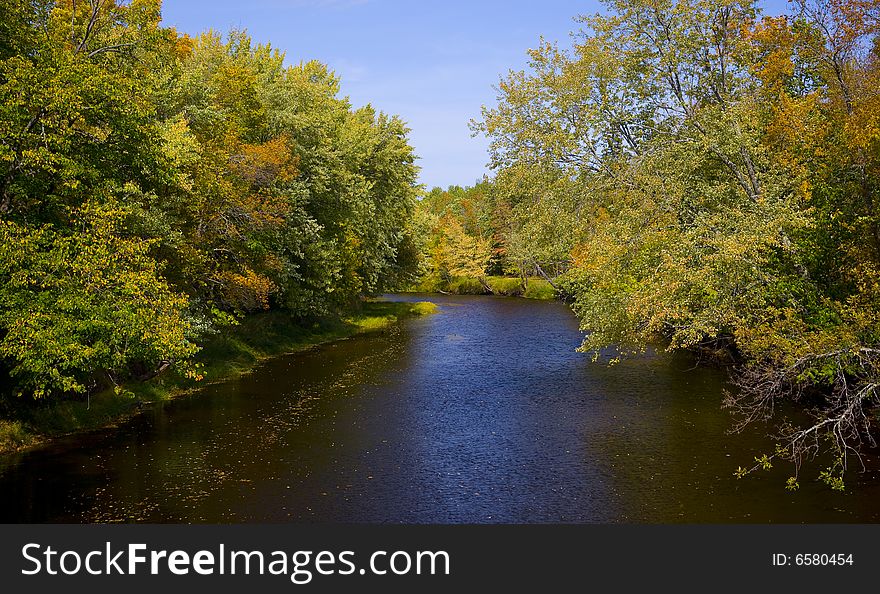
532	288
483	414
234	352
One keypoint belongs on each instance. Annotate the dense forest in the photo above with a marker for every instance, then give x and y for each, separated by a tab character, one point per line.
469	245
155	188
688	173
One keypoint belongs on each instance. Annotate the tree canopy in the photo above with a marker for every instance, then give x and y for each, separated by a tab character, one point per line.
154	186
711	177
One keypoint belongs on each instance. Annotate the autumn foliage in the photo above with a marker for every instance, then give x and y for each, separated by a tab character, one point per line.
155	186
712	175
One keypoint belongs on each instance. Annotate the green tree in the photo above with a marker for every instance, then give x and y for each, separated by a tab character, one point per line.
149	180
710	181
78	309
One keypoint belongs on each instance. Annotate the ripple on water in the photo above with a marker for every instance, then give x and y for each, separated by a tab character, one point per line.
481	413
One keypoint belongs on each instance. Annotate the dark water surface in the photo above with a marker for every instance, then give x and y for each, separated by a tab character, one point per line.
481	413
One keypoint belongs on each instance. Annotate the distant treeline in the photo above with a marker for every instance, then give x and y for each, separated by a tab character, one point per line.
155	187
470	244
710	178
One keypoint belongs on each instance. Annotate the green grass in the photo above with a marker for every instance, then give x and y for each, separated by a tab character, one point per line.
14	436
536	288
232	353
463	285
504	285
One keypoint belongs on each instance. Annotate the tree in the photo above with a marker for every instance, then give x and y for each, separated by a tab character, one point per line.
712	172
80	309
195	178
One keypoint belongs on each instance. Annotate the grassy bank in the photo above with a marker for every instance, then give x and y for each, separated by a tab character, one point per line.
533	288
224	356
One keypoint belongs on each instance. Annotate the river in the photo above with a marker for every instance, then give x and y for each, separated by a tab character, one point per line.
481	413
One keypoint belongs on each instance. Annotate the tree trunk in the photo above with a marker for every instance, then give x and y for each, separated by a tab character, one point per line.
151	374
544	275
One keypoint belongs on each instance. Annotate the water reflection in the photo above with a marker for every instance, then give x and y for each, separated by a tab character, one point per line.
481	413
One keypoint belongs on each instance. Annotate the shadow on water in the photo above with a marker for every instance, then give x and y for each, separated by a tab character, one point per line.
481	413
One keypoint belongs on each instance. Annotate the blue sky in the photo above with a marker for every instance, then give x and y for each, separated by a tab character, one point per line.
433	63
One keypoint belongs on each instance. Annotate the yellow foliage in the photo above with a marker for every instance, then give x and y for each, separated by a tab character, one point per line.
246	292
264	164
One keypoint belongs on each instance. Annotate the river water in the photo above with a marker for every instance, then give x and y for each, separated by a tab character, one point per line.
481	413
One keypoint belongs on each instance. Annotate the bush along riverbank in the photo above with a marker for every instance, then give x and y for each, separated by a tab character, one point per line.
738	209
529	288
26	423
